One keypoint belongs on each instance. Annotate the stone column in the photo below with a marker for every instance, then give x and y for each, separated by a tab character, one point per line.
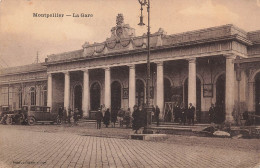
192	83
132	91
66	90
107	88
160	87
230	91
85	100
251	94
49	98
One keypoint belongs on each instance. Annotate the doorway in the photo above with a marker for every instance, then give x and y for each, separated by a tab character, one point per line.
78	98
167	90
220	98
95	96
115	96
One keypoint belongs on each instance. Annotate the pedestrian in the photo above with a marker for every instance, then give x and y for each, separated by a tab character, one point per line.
114	117
136	123
69	115
120	116
183	114
212	113
106	118
127	117
169	115
99	117
156	114
141	118
177	111
191	112
75	116
60	113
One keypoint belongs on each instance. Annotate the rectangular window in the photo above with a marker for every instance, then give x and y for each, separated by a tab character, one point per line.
4	96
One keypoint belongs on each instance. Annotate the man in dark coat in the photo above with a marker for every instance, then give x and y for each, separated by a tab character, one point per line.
191	112
177	113
136	119
106	118
156	114
99	117
60	113
212	113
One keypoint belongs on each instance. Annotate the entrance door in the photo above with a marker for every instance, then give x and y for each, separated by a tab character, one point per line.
257	97
115	96
220	98
95	96
167	90
78	98
139	92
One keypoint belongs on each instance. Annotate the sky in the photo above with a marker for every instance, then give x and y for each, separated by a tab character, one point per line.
22	35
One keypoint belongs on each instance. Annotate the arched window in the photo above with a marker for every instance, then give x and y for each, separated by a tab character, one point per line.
44	96
33	95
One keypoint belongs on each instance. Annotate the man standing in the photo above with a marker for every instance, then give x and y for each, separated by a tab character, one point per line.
75	116
60	113
136	119
99	117
212	113
191	112
157	113
183	114
120	117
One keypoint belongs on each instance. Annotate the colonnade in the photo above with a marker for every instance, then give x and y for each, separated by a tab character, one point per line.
230	76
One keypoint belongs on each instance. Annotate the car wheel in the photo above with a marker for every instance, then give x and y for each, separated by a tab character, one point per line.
31	121
9	120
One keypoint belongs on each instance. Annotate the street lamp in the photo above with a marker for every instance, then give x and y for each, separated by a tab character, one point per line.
148	108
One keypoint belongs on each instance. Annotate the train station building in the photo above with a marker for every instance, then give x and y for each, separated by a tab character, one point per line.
219	65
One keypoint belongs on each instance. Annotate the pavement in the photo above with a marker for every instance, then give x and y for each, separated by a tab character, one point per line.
84	146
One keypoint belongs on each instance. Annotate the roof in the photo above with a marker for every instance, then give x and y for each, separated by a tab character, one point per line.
159	39
23	69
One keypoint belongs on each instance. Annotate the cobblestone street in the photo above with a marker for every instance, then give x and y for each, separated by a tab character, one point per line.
58	146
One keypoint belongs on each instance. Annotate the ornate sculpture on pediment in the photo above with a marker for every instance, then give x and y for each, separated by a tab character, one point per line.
119	19
121	30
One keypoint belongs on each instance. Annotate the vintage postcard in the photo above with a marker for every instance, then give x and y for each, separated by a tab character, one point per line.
120	83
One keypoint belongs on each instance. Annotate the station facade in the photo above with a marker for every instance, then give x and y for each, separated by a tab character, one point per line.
219	65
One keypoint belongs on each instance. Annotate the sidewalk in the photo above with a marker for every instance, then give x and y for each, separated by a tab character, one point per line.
64	146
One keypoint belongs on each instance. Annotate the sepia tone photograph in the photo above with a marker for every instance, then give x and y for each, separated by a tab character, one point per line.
122	84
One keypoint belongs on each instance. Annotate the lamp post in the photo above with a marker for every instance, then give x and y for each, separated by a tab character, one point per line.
148	108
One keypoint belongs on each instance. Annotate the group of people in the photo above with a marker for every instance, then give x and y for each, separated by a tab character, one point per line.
66	116
181	114
122	116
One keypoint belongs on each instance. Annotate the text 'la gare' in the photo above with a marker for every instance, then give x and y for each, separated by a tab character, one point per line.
82	15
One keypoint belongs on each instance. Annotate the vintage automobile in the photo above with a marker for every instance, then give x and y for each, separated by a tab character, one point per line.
40	114
3	110
5	115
